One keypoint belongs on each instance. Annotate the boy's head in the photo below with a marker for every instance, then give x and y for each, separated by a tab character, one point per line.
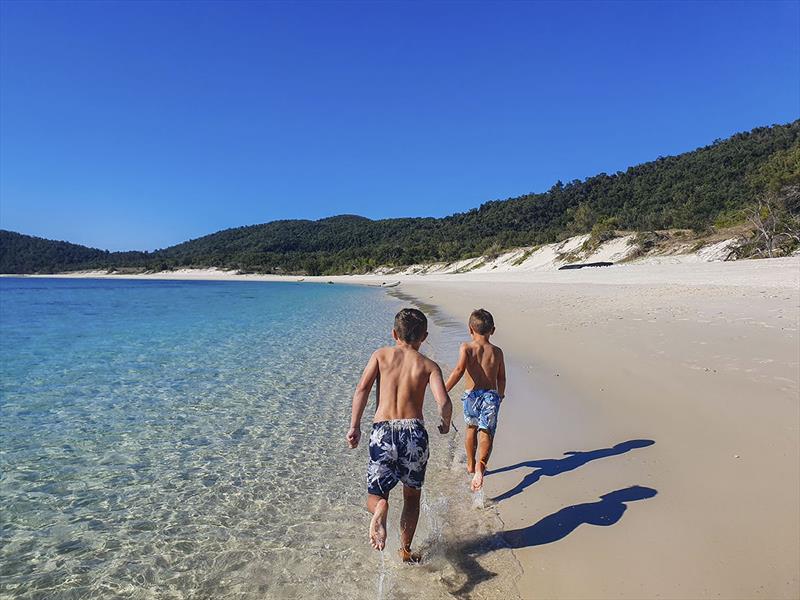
481	322
410	326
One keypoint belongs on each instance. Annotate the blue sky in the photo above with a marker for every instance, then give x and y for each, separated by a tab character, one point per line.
137	125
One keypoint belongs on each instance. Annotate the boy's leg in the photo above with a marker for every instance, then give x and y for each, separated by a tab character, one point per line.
485	442
379	507
408	522
471	445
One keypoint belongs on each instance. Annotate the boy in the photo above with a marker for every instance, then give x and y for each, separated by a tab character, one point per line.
486	386
398	446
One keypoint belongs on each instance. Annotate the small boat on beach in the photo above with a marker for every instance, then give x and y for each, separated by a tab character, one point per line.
393	284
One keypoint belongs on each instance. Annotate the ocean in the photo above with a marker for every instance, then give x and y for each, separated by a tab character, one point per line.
185	439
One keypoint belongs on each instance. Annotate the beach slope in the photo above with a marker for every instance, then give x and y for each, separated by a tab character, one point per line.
648	445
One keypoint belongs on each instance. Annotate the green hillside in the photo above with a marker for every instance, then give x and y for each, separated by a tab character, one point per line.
27	254
696	190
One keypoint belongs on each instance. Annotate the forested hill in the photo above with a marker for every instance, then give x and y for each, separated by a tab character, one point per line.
699	189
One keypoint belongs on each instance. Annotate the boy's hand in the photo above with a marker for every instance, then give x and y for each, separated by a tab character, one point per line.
353	437
443	428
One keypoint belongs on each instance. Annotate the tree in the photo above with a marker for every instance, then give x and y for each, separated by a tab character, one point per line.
775	219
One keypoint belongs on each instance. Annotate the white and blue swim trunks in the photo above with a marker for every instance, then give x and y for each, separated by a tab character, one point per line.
398	451
481	408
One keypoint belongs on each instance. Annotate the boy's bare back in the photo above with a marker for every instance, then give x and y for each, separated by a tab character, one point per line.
403	375
484	365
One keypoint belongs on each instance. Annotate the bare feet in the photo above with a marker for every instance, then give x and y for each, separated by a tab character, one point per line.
477	480
409	557
470	466
377	527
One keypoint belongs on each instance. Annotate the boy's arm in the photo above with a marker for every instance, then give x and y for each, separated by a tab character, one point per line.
442	399
458	372
501	375
360	398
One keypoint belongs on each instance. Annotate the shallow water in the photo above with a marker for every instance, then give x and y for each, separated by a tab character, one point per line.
185	440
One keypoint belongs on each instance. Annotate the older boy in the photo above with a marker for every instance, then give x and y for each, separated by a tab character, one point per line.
486	385
398	445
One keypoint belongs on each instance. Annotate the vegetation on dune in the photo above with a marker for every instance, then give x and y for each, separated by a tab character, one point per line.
737	180
775	215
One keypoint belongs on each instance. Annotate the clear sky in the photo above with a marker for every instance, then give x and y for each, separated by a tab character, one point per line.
137	125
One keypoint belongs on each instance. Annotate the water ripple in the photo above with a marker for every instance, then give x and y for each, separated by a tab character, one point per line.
184	440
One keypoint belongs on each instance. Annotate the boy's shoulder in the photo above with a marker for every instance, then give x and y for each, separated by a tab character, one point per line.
429	365
389	352
471	345
385	352
498	351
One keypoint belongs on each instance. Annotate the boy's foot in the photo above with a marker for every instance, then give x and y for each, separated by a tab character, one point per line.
477	480
377	527
409	557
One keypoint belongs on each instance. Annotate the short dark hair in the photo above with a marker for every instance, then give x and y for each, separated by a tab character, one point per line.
481	321
410	325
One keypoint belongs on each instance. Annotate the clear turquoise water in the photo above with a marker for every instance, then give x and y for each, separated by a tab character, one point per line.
185	440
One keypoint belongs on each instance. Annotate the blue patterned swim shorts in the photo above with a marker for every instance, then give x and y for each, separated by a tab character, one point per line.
481	408
398	451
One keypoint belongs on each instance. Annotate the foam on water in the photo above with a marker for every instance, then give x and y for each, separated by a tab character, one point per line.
381	576
185	440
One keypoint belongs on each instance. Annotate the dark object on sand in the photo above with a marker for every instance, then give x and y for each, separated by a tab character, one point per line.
582	265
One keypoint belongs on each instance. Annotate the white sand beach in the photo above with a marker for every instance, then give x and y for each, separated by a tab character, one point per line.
684	387
678	388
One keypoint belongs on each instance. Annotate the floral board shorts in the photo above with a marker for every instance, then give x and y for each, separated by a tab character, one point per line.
481	408
398	451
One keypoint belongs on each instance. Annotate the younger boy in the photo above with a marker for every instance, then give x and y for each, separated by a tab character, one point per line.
486	385
398	446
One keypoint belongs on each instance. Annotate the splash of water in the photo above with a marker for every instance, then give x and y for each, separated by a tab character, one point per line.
381	576
434	513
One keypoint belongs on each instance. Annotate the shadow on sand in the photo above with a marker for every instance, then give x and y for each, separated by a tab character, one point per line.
607	511
554	466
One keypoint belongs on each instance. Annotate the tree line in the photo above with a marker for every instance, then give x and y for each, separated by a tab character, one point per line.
713	186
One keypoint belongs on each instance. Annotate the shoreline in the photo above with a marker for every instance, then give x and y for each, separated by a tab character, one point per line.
770	273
